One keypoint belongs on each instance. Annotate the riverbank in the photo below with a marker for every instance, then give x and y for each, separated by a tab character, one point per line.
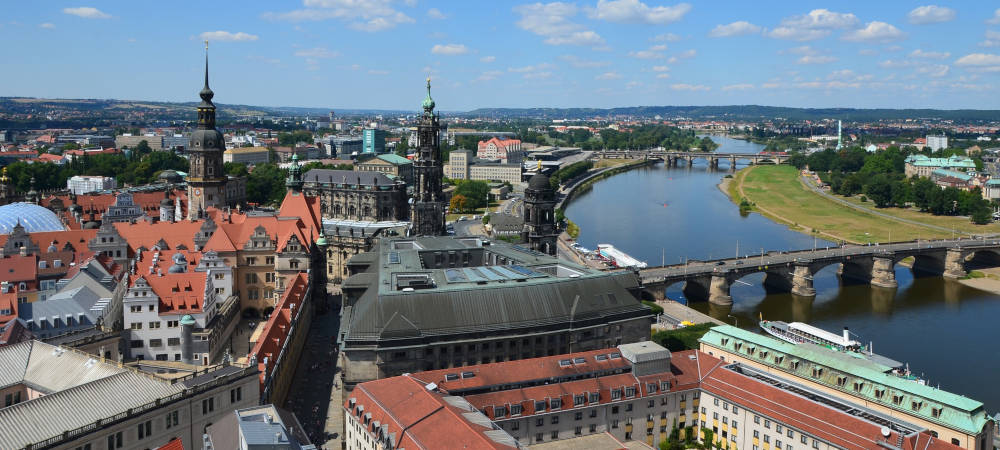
597	175
778	193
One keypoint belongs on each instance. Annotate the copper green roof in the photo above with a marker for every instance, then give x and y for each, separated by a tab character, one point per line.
957	412
393	158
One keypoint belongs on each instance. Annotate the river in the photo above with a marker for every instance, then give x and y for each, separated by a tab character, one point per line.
945	330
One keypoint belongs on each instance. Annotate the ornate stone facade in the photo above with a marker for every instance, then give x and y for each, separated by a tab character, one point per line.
206	180
539	215
427	215
361	196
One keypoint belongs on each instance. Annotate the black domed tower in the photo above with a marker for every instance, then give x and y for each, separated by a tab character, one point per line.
539	215
427	215
206	179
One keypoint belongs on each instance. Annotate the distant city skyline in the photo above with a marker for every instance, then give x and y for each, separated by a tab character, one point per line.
375	54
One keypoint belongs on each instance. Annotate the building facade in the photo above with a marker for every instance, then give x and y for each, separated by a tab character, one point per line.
937	142
922	165
247	155
540	231
487	171
458	164
506	150
155	142
373	140
389	164
82	184
357	195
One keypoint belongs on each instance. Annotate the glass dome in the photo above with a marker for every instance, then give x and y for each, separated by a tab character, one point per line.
32	217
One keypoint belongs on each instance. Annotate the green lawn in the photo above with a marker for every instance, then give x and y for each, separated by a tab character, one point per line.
778	193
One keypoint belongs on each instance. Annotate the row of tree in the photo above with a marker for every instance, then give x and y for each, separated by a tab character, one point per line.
133	168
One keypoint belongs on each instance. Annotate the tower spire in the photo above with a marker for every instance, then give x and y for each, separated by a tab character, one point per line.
206	92
428	103
206	64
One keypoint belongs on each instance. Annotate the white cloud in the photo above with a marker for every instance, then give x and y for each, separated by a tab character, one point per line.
992	39
488	59
894	64
364	15
827	85
737	87
552	21
663	76
378	72
666	37
771	85
435	13
581	63
608	76
651	53
317	53
995	20
661	69
633	84
801	50
225	36
740	28
817	24
812	59
449	49
918	53
979	59
687	54
537	75
355	66
47	25
488	75
534	68
87	12
934	70
868	51
634	11
931	14
843	74
690	87
875	32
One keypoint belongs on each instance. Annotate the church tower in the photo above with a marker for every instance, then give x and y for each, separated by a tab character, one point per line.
427	215
539	215
206	180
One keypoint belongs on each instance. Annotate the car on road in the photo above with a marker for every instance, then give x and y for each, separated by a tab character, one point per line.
739	263
720	263
462	219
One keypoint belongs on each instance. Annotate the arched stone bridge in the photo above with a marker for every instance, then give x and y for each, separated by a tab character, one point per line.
793	271
713	158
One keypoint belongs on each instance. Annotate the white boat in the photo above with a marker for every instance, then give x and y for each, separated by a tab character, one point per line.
618	258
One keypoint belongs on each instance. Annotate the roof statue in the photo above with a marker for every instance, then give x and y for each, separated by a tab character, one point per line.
428	103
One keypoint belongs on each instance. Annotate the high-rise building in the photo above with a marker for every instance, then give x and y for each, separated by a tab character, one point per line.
427	216
539	215
938	142
374	140
206	180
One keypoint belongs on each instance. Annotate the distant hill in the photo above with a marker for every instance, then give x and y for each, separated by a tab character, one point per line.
741	112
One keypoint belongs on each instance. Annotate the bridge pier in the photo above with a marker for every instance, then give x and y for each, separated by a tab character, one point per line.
954	263
883	271
690	161
718	290
802	280
656	292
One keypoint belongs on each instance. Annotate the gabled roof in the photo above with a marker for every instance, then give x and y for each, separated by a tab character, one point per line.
180	293
143	234
275	331
79	239
18	268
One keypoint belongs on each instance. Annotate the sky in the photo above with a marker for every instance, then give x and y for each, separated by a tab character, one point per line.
376	54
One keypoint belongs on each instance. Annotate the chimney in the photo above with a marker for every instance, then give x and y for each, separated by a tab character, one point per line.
847	336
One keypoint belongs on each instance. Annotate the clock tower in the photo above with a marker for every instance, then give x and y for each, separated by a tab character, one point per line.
206	179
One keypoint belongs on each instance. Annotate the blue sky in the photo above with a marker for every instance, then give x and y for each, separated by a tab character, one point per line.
592	53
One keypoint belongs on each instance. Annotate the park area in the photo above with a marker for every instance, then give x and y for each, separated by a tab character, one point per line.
779	193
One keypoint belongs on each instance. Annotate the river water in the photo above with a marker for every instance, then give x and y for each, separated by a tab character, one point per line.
943	329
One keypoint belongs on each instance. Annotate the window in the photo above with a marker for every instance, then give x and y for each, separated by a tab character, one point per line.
790	433
540	406
767	439
936	412
595	397
815	443
538	437
173	324
555	434
173	342
756	434
219	276
235	395
555	419
269	260
293	264
156	343
578	431
555	403
207	405
715	401
170	420
138	343
578	399
955	441
539	422
135	309
515	425
269	277
515	410
115	441
135	325
251	260
253	294
145	429
614	410
804	439
736	409
778	428
593	413
629	392
777	443
650	403
628	407
614	423
154	325
767	424
756	420
616	394
735	424
499	412
715	415
593	428
251	278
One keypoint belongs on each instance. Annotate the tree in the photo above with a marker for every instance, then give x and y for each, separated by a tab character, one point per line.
458	203
290	139
402	147
879	189
235	169
71	146
266	184
474	191
142	148
982	216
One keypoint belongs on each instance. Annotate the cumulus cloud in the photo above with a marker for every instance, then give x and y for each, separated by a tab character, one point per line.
635	11
552	21
660	68
529	69
363	15
934	70
894	64
663	76
868	51
875	31
979	59
488	59
581	63
817	24
995	20
737	87
653	52
449	49
488	75
690	87
225	36
740	28
435	13
801	50
918	53
47	25
317	53
992	39
608	76
87	12
930	14
827	85
666	37
814	59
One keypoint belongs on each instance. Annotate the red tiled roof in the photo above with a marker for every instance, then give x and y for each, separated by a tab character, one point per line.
275	331
180	293
79	239
17	268
8	301
13	331
418	417
143	234
174	444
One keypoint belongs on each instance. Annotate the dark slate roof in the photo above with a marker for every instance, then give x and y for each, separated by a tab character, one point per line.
539	181
347	177
506	222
